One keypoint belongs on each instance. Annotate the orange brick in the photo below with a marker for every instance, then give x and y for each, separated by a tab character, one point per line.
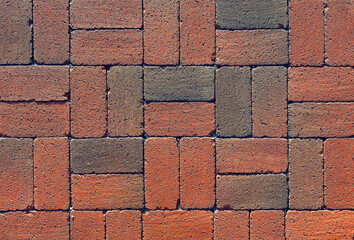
179	224
266	155
34	119
161	173
321	84
87	225
51	173
16	174
107	47
88	102
306	33
339	173
320	225
179	119
161	32
101	191
122	225
197	172
267	225
231	225
197	32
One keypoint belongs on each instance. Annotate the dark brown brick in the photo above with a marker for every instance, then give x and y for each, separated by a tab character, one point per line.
268	191
233	102
108	155
178	84
125	101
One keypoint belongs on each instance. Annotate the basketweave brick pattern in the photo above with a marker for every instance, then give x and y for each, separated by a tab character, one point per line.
176	119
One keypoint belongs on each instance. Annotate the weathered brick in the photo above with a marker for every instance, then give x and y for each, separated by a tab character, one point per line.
178	224
125	101
267	225
197	32
231	225
269	101
16	32
34	119
88	102
251	155
51	174
87	225
305	173
197	173
321	84
51	31
107	47
239	14
321	120
16	174
267	191
179	119
90	14
233	102
161	32
24	83
252	47
107	155
122	225
319	225
306	34
34	225
339	173
178	84
339	33
161	173
101	191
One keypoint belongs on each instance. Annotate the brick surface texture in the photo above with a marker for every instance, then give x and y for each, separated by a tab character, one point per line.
176	119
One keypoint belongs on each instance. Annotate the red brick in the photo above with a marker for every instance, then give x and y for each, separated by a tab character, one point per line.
267	225
51	173
305	173
161	32
24	83
306	32
87	225
122	225
161	173
178	225
320	225
101	191
107	47
51	31
179	119
231	225
197	32
321	119
339	173
106	14
197	172
321	84
34	119
339	33
266	155
16	174
34	225
88	102
252	47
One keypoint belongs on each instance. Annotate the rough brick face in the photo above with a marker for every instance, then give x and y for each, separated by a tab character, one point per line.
40	83
16	174
251	155
121	225
15	32
231	225
339	177
161	173
267	225
87	225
